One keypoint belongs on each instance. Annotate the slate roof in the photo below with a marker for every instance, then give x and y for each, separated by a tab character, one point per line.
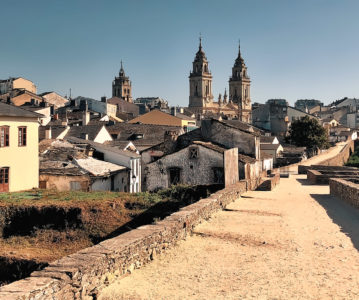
246	159
151	134
100	147
269	146
184	117
7	110
241	126
267	139
210	146
98	167
80	131
56	130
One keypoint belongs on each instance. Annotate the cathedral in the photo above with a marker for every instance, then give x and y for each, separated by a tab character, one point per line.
121	86
235	106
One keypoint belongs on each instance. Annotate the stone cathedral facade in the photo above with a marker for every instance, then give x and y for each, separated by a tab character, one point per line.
236	106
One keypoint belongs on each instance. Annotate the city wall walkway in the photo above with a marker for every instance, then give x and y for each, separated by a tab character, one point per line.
295	242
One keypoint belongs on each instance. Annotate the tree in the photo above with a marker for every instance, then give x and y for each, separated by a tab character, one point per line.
307	132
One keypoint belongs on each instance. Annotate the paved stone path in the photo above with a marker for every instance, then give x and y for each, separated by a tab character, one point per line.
296	242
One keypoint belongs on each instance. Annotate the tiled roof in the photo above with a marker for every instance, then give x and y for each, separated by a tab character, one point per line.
7	110
157	117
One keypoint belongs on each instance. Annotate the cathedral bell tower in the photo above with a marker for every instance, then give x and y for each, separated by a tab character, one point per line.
200	81
239	88
121	86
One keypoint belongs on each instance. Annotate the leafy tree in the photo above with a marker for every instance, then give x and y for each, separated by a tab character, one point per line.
307	132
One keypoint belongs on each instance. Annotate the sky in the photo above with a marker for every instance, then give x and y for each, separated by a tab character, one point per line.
293	49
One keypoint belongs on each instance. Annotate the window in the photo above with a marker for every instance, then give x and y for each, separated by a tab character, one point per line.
193	152
75	185
218	175
4	179
22	136
4	136
175	175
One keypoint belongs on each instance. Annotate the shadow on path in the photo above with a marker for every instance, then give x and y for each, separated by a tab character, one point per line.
344	215
303	181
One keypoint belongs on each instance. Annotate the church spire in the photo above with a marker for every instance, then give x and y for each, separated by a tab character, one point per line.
239	60
122	71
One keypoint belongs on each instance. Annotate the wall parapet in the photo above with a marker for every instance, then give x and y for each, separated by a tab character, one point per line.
83	274
345	190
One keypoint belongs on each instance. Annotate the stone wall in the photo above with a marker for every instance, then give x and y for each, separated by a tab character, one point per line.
342	157
269	183
81	275
345	190
339	160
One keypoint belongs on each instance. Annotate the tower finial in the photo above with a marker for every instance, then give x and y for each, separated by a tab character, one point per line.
200	41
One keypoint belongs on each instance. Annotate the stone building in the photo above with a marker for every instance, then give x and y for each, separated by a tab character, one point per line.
173	155
121	86
201	163
276	116
201	103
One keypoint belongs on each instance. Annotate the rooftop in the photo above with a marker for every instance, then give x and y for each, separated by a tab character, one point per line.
98	167
7	110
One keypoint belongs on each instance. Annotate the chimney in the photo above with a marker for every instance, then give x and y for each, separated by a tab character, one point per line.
170	141
104	99
85	118
173	111
85	136
48	134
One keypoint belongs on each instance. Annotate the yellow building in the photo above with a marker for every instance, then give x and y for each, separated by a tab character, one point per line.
19	159
10	84
157	117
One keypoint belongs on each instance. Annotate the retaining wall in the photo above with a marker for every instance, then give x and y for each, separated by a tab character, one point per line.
345	190
81	275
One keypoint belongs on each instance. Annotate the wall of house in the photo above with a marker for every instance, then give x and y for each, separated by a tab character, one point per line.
134	164
103	136
101	184
197	171
46	111
231	175
24	98
22	161
267	164
22	83
231	138
63	182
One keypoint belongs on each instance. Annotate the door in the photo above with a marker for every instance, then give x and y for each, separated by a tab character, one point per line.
4	179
